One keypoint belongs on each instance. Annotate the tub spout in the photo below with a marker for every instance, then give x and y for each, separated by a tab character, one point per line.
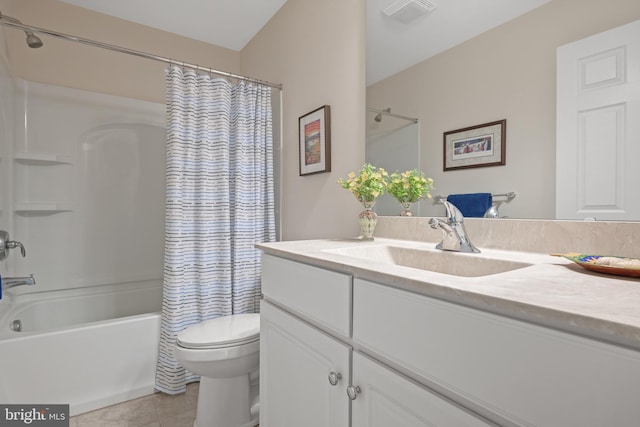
12	282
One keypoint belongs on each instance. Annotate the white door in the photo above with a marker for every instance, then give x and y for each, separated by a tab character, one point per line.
598	126
388	399
295	363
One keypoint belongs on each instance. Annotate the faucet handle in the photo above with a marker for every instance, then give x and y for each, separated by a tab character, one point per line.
12	244
6	244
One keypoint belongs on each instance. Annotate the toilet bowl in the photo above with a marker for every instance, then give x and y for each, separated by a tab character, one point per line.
225	353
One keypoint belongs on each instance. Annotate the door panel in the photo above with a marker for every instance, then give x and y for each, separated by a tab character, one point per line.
598	131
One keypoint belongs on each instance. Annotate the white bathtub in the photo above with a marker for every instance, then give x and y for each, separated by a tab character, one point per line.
88	347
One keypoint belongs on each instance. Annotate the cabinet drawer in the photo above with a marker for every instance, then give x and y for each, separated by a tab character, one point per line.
322	296
527	374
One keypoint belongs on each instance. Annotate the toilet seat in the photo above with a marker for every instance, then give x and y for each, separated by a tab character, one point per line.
221	332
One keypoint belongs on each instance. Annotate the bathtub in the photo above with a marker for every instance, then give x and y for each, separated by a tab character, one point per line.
87	347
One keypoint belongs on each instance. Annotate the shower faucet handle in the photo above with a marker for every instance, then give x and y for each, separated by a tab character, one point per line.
6	244
12	244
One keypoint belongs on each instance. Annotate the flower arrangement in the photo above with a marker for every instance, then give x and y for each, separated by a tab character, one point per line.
369	184
409	186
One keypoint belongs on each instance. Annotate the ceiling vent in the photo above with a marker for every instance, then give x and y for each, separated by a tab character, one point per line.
406	11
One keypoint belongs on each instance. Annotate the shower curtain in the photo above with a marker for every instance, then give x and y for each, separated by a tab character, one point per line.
219	204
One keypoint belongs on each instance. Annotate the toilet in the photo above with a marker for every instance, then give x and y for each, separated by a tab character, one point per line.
225	353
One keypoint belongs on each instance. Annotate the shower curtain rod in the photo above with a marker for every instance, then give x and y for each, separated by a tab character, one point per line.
136	53
397	116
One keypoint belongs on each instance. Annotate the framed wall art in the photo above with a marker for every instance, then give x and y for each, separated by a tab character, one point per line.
475	146
314	130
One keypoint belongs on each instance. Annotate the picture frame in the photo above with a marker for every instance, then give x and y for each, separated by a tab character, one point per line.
475	146
314	130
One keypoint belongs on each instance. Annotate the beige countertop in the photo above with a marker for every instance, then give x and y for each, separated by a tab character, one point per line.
552	291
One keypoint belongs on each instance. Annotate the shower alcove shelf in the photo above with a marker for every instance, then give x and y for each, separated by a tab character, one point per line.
28	159
42	159
42	208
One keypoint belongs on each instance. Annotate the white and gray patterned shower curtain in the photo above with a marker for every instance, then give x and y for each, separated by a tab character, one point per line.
219	204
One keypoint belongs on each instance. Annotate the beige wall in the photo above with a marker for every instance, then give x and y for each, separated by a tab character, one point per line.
65	63
316	49
506	73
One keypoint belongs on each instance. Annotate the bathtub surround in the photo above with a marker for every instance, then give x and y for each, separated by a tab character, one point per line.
219	204
86	190
83	188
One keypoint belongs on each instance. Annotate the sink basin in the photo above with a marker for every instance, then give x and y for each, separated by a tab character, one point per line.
452	263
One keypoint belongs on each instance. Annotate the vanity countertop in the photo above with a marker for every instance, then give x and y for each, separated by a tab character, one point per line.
553	291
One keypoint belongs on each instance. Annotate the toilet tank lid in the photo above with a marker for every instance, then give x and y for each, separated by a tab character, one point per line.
223	330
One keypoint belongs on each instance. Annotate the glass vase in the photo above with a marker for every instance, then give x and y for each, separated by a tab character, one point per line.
368	220
406	209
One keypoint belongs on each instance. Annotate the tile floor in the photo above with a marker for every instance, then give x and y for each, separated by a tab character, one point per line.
156	410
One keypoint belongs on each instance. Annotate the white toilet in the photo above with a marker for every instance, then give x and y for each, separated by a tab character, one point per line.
225	353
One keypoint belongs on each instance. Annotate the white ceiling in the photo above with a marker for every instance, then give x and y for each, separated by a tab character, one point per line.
226	23
391	45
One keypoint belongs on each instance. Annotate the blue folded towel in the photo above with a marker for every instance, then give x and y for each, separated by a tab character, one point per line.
472	205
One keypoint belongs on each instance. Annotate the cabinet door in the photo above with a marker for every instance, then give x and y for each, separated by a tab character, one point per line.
388	399
295	362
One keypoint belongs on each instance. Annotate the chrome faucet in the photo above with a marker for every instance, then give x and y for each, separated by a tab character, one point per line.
455	235
12	282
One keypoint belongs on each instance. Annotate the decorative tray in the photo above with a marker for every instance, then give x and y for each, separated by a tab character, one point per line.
619	266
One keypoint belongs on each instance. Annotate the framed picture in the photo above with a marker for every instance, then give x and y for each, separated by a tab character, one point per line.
476	146
314	130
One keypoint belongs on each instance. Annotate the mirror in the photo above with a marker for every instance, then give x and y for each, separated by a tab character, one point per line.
504	73
393	143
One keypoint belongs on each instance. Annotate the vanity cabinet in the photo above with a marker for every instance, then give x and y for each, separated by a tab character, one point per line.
412	360
309	373
296	359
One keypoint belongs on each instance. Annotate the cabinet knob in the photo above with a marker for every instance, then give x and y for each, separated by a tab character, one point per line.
353	391
334	378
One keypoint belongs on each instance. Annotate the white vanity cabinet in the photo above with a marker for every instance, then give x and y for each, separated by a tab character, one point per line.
411	360
308	367
303	370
